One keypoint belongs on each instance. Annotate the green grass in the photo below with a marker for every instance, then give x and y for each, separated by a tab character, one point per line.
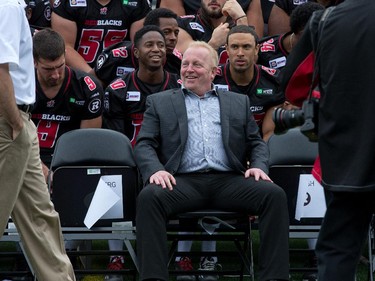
100	262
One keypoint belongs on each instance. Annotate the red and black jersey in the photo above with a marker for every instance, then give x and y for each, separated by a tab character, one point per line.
125	102
115	61
119	59
200	30
271	51
79	98
262	90
99	27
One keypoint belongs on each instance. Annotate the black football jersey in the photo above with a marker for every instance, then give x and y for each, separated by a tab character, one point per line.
99	27
125	102
41	14
262	90
289	5
115	61
271	51
79	98
199	30
119	59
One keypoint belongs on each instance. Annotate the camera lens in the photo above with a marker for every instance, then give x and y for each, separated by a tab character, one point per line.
286	119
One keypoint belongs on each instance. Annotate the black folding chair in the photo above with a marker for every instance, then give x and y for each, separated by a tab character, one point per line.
83	160
292	154
231	227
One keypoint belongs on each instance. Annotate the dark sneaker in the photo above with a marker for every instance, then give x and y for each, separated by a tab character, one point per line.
185	264
208	264
310	276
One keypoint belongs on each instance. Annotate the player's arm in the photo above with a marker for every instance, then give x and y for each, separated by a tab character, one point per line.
68	30
176	6
278	22
184	39
135	26
268	126
114	111
91	116
255	17
234	10
92	123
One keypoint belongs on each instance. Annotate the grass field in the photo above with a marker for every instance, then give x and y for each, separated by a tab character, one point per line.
297	259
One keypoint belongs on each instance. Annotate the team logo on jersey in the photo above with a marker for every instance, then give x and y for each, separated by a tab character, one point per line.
278	62
47	13
133	96
50	103
95	105
264	92
196	26
103	11
56	3
100	61
78	3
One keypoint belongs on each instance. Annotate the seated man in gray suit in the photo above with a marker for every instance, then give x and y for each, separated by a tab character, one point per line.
192	151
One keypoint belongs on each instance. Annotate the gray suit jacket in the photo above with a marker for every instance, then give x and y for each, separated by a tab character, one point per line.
162	138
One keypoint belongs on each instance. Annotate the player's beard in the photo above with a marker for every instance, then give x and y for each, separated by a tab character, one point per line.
213	14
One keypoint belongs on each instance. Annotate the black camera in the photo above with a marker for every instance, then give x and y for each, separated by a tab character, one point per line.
305	117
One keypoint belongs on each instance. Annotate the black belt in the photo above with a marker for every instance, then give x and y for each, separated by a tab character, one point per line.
25	107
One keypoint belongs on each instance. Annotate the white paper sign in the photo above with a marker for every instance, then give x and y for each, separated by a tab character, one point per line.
106	202
310	199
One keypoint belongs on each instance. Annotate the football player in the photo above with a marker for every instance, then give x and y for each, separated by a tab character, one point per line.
66	99
241	74
89	26
119	58
252	8
274	50
211	24
38	13
125	97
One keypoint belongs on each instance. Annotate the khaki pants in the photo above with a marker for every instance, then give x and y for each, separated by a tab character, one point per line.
25	197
